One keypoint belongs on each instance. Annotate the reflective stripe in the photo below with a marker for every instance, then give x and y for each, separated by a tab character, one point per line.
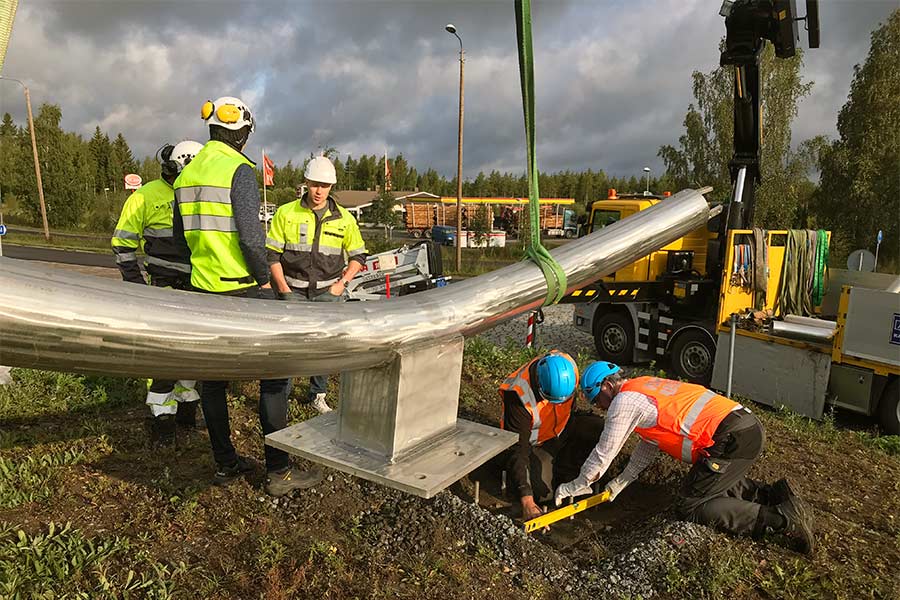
125	235
355	251
686	446
330	250
209	223
158	233
300	283
691	417
159	262
527	396
125	257
204	193
275	243
298	247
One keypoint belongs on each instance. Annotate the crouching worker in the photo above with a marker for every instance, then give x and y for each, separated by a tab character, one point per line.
538	404
720	439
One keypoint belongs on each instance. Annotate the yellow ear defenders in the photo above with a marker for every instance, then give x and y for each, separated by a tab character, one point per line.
227	113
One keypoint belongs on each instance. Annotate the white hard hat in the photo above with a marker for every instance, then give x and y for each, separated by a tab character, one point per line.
320	169
184	152
228	112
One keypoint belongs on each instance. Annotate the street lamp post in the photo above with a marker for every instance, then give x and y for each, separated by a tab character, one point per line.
647	178
451	28
37	163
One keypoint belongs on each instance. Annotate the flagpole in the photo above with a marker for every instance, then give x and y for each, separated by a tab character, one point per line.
265	202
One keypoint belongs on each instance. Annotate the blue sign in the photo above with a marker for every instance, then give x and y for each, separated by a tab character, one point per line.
880	235
2	229
895	330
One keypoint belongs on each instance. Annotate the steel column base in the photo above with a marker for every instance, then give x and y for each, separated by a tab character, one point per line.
423	472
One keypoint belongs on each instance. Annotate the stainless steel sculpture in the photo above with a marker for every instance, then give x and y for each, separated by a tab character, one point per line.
58	320
400	359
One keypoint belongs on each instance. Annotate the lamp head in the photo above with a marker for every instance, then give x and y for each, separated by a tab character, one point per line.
450	27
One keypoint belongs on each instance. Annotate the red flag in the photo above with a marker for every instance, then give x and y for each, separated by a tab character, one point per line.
268	171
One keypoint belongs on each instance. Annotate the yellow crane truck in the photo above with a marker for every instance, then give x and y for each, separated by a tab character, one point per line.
676	304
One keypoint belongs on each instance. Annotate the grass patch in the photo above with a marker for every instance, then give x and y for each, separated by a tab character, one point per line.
40	393
64	563
32	478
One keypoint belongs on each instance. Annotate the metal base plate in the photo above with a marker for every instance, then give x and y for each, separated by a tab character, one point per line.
423	472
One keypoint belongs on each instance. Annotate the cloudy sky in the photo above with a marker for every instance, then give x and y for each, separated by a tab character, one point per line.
612	77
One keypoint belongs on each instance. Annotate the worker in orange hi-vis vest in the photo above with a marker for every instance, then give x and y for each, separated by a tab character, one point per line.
720	439
554	440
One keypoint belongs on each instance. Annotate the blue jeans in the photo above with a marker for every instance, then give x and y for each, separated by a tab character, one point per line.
318	384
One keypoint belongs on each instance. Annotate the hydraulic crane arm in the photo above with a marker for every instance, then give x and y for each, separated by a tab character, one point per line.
748	24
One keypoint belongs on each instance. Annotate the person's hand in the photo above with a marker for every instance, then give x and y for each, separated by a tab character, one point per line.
576	487
337	288
267	293
530	510
288	297
616	486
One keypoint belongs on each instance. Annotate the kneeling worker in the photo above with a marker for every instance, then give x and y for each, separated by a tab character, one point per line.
720	438
538	401
146	223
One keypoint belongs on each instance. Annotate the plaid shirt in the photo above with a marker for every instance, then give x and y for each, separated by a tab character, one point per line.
628	411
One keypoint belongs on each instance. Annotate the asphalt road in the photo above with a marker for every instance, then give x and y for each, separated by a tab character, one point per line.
57	255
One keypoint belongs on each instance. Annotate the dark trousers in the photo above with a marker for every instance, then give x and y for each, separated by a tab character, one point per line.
176	282
273	409
318	384
559	460
716	491
273	406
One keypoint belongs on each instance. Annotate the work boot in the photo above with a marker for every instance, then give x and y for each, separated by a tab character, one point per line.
320	405
161	431
780	491
799	524
186	416
289	479
226	474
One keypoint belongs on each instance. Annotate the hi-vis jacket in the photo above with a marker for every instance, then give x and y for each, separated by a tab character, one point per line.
547	418
311	251
146	224
203	193
688	415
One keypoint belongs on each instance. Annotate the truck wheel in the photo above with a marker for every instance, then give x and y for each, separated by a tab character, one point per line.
569	234
428	233
692	356
889	408
614	338
417	233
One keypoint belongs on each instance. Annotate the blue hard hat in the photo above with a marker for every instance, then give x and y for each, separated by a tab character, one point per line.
593	378
556	378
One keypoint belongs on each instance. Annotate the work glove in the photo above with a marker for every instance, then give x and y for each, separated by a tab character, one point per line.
267	294
616	486
288	297
576	487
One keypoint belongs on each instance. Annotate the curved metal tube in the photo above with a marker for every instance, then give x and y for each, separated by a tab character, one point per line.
62	321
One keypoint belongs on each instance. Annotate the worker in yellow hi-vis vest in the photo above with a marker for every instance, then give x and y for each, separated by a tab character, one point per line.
217	212
146	224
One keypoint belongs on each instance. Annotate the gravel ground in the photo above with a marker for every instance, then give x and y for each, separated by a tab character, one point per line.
398	522
557	331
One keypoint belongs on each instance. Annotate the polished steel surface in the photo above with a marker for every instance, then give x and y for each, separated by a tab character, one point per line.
424	473
810	321
798	331
58	320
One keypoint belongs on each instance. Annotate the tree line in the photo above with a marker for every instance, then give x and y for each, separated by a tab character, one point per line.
850	185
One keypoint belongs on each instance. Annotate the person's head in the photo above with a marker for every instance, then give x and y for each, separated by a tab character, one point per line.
230	121
172	159
557	377
601	382
320	177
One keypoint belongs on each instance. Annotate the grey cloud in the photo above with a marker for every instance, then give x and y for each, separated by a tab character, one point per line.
613	79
